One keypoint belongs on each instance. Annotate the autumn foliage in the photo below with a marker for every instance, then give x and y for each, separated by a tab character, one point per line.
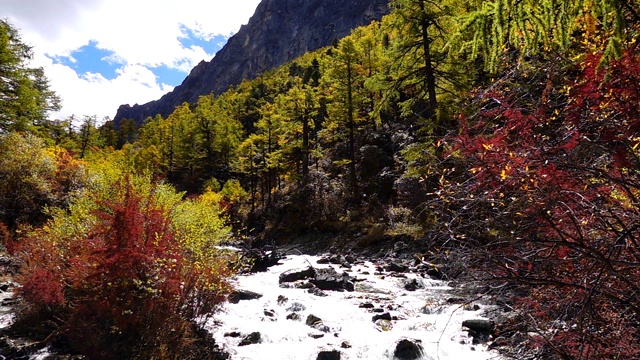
552	197
128	288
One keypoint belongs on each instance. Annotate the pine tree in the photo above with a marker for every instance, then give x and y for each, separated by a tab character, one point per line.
25	97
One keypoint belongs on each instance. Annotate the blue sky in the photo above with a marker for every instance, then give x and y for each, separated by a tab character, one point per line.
91	58
100	54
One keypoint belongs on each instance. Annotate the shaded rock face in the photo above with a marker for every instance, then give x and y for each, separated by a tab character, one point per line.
278	32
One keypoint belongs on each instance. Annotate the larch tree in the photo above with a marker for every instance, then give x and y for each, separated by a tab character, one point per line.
497	28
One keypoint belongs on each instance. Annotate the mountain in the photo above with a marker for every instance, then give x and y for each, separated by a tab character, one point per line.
278	32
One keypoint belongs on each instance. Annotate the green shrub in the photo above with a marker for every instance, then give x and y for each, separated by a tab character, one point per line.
129	268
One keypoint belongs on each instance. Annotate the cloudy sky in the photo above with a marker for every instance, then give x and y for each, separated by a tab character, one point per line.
99	54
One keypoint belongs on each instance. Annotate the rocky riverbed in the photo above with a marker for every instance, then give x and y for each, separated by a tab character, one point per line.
322	307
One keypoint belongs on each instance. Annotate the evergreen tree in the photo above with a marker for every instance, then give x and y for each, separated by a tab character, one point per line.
25	97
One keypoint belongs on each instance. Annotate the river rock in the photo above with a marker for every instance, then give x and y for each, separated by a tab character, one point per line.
412	285
296	307
316	323
385	316
312	320
329	355
253	338
303	284
262	260
397	267
408	350
317	292
238	295
435	273
294	317
479	329
282	300
330	279
295	275
479	325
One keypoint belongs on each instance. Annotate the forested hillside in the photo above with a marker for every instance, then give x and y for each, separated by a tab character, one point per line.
500	135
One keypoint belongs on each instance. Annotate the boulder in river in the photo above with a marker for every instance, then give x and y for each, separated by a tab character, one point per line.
408	350
295	275
330	279
329	355
397	267
412	285
385	316
253	338
262	260
479	325
316	323
312	320
238	295
479	329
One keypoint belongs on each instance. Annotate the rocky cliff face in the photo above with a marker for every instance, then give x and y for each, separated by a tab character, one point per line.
278	32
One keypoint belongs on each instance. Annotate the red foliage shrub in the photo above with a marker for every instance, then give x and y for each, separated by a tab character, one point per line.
42	288
129	289
553	196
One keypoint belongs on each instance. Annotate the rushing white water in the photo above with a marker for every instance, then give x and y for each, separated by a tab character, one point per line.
422	315
7	314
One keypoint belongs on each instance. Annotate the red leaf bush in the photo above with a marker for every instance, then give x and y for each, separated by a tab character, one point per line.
127	288
551	199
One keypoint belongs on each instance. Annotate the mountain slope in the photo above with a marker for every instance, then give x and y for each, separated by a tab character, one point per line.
278	32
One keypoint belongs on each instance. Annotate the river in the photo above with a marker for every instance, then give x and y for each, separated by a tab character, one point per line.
424	316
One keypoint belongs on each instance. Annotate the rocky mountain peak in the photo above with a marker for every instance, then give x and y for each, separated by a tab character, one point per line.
278	32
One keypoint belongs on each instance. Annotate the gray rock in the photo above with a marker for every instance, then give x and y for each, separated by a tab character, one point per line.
282	300
479	329
295	275
479	325
239	295
408	350
329	355
296	307
385	316
253	338
412	285
312	320
397	267
330	279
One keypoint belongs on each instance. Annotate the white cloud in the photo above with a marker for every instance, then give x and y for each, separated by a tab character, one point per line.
93	94
142	34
